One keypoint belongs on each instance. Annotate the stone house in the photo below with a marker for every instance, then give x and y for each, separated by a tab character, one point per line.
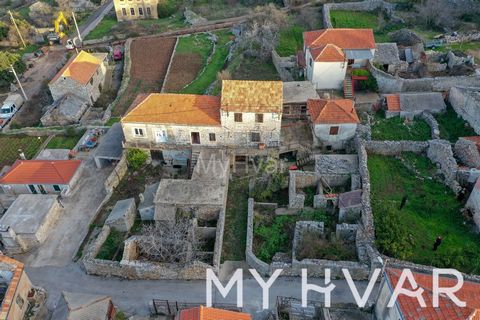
135	9
246	118
15	287
295	96
73	306
467	150
28	221
331	53
41	177
408	308
333	122
83	76
409	105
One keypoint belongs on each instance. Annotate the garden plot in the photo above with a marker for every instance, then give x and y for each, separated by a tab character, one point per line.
149	63
430	210
397	128
452	126
10	146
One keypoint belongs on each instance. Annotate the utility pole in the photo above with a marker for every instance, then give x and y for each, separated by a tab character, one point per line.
76	26
16	27
19	83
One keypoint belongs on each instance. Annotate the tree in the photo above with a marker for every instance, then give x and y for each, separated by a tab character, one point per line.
26	30
261	32
41	13
445	14
136	158
6	59
170	242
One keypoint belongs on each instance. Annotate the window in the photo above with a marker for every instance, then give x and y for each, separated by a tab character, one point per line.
124	11
19	300
132	11
149	11
56	188
238	117
259	117
32	189
334	130
310	62
212	137
91	81
140	11
138	132
255	136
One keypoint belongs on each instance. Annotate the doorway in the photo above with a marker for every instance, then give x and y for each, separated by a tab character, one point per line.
195	138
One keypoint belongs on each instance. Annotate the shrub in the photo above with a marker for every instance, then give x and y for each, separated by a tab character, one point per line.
6	59
136	158
166	8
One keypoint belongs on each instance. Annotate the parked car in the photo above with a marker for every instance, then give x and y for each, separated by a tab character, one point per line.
10	106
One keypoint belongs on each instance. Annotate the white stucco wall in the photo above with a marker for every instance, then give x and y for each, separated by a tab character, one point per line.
325	75
323	137
381	309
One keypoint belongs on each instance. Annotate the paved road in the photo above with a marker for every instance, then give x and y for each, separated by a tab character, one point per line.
135	296
95	18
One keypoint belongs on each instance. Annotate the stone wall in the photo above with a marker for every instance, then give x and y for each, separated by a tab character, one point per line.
367	5
117	174
299	180
432	123
393	148
440	153
467	152
465	101
262	267
390	84
283	66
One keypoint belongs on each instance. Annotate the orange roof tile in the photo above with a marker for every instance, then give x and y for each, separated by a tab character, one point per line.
169	108
41	172
342	38
204	313
393	102
327	53
252	96
332	111
411	310
80	68
17	268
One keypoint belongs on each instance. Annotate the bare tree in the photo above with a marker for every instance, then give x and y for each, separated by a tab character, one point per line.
170	242
261	33
41	13
445	14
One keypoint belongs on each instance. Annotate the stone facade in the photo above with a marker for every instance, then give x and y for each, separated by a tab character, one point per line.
465	100
15	302
467	152
133	10
393	148
122	216
440	153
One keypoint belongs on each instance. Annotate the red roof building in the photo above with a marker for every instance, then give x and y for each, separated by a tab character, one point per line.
204	313
332	111
409	308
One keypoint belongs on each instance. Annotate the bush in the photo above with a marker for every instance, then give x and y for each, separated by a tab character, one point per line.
6	59
370	83
136	158
166	8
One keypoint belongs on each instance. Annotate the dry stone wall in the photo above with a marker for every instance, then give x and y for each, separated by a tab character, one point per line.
440	152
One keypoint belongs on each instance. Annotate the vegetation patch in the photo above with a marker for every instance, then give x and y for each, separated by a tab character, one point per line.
67	141
396	129
431	210
274	233
10	146
245	68
452	126
112	248
312	246
104	28
236	216
291	41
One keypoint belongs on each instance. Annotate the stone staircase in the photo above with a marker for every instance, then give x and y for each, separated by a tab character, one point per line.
193	162
348	87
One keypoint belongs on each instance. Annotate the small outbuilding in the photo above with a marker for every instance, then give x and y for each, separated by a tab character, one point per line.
412	104
81	306
110	148
28	221
295	97
122	216
386	55
67	110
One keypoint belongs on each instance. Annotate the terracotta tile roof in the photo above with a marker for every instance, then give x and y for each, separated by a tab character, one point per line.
41	172
80	68
332	111
204	313
327	53
252	96
393	102
169	108
342	38
411	310
17	269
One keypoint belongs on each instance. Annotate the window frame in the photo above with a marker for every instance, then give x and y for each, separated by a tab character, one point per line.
255	134
259	117
238	117
132	11
334	130
138	132
212	137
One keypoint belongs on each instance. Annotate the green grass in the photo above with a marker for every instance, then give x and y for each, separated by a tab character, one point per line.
291	41
64	142
395	129
464	46
235	234
363	19
104	28
274	233
215	65
431	211
197	43
9	146
244	68
112	121
112	248
452	126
